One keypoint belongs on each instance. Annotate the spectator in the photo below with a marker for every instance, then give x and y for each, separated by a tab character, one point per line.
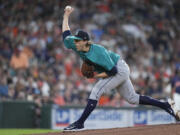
19	60
3	87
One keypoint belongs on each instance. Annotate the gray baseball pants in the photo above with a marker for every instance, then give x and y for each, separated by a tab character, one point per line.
120	81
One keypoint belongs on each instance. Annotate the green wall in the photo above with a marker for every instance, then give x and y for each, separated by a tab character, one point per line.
46	116
21	114
1	110
17	114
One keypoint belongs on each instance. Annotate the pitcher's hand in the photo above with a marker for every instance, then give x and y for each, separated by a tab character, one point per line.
68	10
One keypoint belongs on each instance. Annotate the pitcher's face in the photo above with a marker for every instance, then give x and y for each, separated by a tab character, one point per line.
80	44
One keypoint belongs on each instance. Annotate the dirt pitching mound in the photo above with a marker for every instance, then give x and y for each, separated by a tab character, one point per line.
169	129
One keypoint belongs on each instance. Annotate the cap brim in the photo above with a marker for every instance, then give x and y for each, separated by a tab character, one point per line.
74	37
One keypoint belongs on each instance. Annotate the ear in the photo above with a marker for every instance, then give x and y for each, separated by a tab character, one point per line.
86	43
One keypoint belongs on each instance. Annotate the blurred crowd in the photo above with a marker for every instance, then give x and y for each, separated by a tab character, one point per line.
35	65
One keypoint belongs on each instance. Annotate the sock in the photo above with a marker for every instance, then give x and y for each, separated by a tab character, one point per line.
91	105
145	100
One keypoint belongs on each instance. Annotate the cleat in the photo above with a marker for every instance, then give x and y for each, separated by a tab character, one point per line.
173	111
74	127
177	116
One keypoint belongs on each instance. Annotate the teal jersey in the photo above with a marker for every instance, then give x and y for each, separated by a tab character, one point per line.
102	59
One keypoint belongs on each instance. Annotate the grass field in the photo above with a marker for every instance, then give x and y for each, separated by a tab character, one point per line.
24	131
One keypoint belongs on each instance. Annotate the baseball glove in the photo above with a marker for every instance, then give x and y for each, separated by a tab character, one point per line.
87	70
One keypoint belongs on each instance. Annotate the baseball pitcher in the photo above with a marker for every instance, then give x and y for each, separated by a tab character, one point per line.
113	72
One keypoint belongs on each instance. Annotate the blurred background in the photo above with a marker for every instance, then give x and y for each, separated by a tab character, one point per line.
35	66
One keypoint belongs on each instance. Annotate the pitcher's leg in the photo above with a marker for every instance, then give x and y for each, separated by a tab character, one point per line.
128	93
100	87
109	83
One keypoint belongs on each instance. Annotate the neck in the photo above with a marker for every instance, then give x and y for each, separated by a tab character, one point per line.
86	48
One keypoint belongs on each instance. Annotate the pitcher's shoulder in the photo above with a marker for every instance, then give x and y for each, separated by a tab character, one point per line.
98	46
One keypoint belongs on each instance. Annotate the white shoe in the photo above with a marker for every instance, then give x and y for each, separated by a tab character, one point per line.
176	112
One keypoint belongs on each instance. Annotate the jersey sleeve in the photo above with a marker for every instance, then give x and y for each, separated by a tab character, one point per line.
66	33
69	42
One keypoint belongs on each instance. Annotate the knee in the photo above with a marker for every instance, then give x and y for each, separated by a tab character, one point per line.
94	96
133	99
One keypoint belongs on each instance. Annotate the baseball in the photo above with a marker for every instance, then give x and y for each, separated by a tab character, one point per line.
68	7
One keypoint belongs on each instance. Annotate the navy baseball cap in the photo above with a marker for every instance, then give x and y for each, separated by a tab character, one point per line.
81	35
